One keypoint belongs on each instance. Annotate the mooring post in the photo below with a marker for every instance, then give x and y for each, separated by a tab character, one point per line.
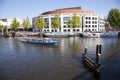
100	48
97	49
98	55
85	51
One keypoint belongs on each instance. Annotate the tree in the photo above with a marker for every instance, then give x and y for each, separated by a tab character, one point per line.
114	18
26	24
55	22
74	22
15	24
1	27
69	23
39	23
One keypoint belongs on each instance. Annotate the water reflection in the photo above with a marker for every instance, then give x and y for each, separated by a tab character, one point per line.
24	61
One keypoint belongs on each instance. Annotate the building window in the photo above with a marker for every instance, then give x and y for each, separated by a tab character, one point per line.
89	18
64	26
89	22
46	20
52	30
55	30
74	30
65	19
68	30
64	30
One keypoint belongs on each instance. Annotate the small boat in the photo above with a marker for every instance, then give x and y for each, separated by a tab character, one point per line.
89	35
45	41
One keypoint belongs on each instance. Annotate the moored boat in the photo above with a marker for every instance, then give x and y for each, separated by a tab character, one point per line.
109	34
28	34
99	34
55	34
89	35
45	41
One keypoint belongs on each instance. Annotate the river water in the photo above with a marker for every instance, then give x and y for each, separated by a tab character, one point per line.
25	61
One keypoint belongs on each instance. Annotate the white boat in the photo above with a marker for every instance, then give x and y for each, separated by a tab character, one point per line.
89	35
45	41
29	34
56	34
98	34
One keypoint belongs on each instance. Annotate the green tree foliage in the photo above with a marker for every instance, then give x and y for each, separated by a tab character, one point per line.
15	24
107	24
55	22
26	24
39	23
69	23
74	22
1	27
114	17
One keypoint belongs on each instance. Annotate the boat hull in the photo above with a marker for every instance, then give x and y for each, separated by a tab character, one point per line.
39	41
90	35
113	34
55	35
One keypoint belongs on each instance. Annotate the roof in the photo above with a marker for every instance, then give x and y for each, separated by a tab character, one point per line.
68	10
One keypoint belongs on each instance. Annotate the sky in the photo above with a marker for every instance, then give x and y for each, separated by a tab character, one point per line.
30	8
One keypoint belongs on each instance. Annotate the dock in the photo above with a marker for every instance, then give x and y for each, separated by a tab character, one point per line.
93	65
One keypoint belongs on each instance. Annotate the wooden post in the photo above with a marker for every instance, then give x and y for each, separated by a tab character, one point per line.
98	60
100	48
97	49
85	51
98	55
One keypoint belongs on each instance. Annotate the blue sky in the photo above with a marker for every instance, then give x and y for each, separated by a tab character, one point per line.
30	8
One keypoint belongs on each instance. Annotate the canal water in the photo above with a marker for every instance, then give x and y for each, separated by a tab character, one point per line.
25	61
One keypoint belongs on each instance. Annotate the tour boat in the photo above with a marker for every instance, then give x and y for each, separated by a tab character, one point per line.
45	41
